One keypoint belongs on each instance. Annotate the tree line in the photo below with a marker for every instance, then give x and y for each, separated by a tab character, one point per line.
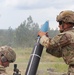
24	35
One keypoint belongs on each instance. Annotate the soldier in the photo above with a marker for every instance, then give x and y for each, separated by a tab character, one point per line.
7	56
62	45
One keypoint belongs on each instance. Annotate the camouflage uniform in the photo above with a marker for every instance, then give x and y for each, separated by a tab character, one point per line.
6	53
2	70
62	45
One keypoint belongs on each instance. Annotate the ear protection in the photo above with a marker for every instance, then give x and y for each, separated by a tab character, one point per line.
3	58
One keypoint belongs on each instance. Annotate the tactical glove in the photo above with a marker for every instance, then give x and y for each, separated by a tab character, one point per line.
45	41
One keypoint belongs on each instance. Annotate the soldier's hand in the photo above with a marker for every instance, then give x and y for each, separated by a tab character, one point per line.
40	33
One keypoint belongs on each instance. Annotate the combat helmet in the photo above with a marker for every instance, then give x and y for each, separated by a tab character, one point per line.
66	16
8	53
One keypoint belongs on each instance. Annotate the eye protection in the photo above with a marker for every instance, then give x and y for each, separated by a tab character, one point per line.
60	22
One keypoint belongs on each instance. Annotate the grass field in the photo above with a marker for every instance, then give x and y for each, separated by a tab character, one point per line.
47	62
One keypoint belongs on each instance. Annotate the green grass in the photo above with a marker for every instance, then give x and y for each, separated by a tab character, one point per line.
47	61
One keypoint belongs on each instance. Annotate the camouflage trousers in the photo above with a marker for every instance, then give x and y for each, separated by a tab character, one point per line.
71	70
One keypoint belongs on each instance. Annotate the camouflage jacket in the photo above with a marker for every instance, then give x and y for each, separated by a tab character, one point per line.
62	45
2	70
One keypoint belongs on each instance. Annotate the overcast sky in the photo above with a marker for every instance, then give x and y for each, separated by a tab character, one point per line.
14	12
